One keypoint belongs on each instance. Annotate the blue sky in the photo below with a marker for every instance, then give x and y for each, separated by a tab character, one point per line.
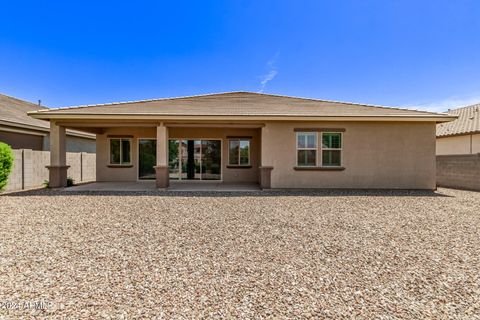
423	54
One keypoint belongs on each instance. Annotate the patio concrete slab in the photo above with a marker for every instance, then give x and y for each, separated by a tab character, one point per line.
115	186
212	186
174	186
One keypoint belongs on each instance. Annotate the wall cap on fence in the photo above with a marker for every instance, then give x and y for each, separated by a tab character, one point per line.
458	155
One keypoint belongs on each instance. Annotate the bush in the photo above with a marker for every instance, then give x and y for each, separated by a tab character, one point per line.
6	164
70	182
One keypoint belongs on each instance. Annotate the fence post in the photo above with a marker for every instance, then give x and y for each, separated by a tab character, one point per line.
81	166
23	168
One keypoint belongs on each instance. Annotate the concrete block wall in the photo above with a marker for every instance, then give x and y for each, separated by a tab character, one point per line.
15	180
459	171
29	168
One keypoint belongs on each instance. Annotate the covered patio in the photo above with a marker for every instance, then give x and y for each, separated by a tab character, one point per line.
197	155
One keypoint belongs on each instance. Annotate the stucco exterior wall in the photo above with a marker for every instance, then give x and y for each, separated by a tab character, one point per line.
74	144
465	144
106	173
42	142
21	140
375	155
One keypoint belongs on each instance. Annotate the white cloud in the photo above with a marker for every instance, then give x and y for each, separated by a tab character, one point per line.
445	104
271	74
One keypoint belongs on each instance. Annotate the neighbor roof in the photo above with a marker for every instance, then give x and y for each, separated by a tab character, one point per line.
236	104
468	122
13	113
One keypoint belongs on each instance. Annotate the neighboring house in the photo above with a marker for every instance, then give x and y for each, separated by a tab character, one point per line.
461	136
277	141
23	132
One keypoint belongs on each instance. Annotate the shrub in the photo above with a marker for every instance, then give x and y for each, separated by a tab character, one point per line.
70	182
6	163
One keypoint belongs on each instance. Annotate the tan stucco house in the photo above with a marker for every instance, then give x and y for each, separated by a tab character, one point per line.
461	136
20	131
276	141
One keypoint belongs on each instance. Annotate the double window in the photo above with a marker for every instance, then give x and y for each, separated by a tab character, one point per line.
323	149
239	152
120	151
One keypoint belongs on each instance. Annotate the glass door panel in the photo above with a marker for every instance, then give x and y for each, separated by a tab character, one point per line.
211	160
184	158
174	159
147	158
195	159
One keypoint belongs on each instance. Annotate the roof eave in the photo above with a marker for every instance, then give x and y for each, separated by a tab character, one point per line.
45	129
448	135
267	117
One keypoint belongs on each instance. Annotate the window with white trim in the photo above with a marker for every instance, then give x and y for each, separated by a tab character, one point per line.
120	151
239	152
329	150
306	149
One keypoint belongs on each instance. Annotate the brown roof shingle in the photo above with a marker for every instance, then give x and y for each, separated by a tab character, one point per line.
239	104
13	113
468	122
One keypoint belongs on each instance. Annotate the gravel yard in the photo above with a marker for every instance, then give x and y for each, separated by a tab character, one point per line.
258	255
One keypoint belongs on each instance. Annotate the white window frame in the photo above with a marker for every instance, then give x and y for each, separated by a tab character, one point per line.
306	148
331	149
121	152
249	151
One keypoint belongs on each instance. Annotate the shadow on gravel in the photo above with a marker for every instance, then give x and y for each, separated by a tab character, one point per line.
265	193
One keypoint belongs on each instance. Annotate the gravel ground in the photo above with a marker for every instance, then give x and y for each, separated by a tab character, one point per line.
336	254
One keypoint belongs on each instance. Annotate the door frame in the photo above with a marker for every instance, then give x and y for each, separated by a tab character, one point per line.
180	166
138	159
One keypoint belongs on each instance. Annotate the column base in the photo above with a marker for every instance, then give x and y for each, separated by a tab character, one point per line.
57	176
265	177
162	178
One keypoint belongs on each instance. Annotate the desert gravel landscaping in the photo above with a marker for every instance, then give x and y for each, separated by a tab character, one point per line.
302	254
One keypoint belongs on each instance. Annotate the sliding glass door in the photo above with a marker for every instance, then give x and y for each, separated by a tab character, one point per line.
147	158
194	159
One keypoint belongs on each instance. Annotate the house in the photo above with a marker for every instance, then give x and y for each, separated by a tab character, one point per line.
461	136
20	131
458	150
277	141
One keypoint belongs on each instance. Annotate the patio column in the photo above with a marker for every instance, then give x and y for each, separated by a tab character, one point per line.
161	169
266	160
58	157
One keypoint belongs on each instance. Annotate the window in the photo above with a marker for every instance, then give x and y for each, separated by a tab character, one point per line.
306	149
330	149
239	152
120	151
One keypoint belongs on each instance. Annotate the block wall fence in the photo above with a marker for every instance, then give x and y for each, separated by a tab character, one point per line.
459	171
29	168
